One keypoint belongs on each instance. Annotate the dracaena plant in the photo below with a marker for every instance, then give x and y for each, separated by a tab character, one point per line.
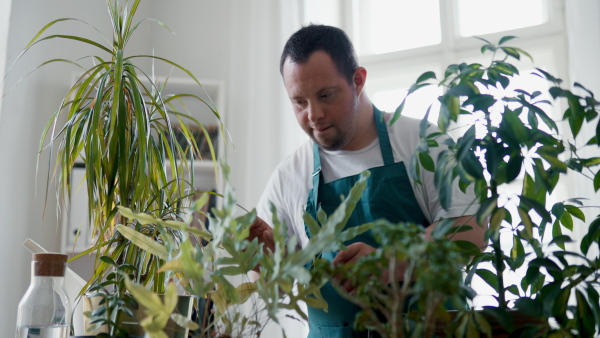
116	120
206	258
512	139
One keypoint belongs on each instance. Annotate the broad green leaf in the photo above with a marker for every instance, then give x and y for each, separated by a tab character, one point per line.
414	169
587	327
143	218
567	221
513	289
310	222
593	235
454	107
482	323
108	260
467	247
146	298
505	39
498	216
460	90
173	265
314	302
427	162
517	250
397	112
561	239
245	290
442	228
489	277
144	242
539	208
426	76
512	52
486	208
183	321
526	220
529	306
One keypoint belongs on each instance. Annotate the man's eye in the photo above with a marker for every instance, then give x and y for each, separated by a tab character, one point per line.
327	96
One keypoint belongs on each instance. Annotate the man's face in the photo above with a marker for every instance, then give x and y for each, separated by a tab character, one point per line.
325	104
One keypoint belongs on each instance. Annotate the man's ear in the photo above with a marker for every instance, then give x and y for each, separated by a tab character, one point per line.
360	77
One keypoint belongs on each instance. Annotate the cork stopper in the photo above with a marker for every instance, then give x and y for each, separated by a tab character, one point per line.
49	264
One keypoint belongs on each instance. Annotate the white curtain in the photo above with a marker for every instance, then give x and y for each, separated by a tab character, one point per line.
583	38
259	115
4	23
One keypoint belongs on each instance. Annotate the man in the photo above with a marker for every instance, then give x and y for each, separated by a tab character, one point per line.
347	136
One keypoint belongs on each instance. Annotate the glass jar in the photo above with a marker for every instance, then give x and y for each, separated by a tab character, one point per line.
44	310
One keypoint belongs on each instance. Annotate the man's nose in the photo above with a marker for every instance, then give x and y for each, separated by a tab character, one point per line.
315	112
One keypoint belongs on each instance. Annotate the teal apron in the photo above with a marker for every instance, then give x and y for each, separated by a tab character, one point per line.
388	195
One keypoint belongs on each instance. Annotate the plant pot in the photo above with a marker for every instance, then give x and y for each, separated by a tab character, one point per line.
520	321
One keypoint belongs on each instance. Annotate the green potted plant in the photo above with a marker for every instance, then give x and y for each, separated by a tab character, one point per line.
207	258
433	267
116	121
511	138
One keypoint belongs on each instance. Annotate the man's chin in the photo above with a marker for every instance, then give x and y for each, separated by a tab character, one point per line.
329	145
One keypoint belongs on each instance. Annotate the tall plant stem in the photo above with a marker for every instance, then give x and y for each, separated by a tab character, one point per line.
499	264
498	254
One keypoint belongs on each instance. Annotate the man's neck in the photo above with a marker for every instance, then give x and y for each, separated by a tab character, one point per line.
367	130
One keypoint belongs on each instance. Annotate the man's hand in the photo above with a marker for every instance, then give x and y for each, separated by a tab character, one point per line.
351	255
261	230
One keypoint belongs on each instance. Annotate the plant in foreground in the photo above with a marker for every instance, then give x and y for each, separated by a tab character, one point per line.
207	260
510	138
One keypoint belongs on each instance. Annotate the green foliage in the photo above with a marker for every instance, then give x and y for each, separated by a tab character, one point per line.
206	260
115	301
512	139
396	309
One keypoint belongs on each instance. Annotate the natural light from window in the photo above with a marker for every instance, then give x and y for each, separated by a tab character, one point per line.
416	105
477	17
392	25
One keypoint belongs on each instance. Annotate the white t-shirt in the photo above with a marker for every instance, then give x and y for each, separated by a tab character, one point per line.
290	183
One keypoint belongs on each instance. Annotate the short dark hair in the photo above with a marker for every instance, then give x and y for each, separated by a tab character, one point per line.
328	39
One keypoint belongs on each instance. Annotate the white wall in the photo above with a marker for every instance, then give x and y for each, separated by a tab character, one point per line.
4	25
583	35
25	111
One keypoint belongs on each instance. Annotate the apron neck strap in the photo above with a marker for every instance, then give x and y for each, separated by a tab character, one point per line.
384	139
316	175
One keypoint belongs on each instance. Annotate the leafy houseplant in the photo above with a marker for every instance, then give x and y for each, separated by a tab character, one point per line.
205	259
121	127
511	138
395	309
114	302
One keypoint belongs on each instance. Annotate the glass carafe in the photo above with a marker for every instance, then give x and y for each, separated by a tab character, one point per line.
44	310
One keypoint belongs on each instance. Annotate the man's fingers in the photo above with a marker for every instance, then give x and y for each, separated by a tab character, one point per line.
347	255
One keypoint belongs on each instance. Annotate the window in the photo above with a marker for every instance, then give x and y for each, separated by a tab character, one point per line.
476	18
397	40
379	23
